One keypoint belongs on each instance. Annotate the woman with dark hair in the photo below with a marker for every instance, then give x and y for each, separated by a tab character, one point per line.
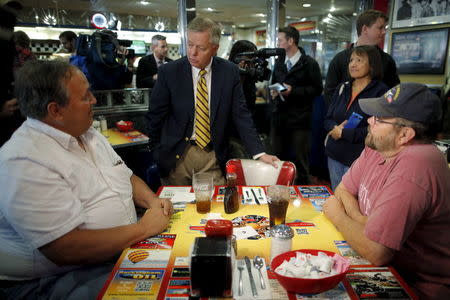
345	143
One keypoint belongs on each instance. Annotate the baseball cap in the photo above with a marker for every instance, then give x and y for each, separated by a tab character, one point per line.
411	101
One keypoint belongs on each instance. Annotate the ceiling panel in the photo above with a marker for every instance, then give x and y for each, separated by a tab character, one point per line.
247	13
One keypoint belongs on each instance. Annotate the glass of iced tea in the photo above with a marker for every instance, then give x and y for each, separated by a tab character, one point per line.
278	199
203	189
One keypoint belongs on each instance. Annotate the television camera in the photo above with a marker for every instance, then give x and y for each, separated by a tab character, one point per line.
255	63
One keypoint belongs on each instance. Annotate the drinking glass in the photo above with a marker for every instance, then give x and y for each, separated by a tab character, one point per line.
203	189
278	198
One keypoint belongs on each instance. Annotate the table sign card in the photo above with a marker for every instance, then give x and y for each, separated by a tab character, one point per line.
314	191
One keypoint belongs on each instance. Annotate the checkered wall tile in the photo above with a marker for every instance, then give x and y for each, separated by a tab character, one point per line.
173	52
44	47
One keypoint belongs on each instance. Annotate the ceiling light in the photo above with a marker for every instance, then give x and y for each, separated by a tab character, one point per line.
263	21
210	9
260	15
306	5
49	20
355	14
329	15
159	26
190	9
303	19
99	21
332	8
144	2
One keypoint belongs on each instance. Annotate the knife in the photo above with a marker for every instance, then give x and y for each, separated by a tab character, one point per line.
250	276
254	196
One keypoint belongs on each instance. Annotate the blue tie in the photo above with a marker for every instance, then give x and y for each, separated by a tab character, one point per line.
288	65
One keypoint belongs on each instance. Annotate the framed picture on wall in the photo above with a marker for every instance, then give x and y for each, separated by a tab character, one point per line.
260	37
420	52
407	13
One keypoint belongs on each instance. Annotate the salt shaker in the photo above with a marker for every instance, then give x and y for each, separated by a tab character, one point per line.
103	123
96	125
281	240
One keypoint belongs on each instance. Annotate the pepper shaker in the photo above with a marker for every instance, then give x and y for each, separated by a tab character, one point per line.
281	240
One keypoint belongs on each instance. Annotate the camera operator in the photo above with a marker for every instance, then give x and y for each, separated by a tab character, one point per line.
248	82
252	68
108	60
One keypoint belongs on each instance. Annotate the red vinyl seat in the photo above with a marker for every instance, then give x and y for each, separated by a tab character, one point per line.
255	172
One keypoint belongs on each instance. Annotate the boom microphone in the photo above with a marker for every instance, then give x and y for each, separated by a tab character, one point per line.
265	52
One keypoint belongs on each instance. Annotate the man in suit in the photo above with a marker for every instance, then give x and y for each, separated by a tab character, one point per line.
371	29
291	119
191	104
147	71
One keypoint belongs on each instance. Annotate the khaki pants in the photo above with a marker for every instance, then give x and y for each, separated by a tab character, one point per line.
194	160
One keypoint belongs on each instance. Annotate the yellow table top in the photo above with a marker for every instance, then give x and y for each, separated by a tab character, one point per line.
120	139
321	233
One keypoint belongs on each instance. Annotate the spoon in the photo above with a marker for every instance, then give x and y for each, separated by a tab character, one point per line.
240	267
258	262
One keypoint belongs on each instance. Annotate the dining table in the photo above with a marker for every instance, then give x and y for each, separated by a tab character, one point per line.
120	139
158	267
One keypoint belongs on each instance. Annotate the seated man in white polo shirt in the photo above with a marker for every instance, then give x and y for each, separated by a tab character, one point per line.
67	199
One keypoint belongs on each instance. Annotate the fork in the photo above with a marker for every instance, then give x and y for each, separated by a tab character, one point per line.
240	267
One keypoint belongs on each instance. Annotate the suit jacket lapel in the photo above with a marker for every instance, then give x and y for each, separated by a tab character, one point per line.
186	83
217	81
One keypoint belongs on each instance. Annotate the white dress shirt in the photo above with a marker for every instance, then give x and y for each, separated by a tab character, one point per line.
50	186
294	59
195	79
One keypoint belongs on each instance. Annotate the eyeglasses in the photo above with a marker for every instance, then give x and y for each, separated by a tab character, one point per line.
378	120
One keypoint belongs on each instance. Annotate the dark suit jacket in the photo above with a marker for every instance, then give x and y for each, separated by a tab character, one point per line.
146	69
306	81
171	112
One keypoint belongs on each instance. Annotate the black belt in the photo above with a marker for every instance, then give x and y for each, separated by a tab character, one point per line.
207	148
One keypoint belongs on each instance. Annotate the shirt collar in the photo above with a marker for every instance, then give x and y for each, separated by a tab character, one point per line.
295	58
62	138
196	70
157	59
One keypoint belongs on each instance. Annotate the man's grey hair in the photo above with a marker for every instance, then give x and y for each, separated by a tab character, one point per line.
157	38
200	24
40	82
